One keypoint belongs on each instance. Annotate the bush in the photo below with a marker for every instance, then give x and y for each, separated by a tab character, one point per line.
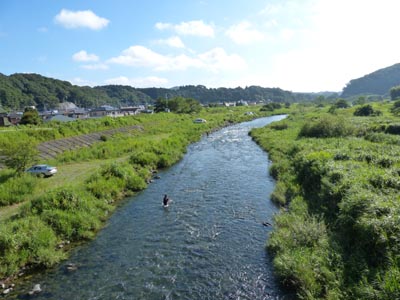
279	126
303	255
15	189
365	110
27	240
393	129
326	127
144	159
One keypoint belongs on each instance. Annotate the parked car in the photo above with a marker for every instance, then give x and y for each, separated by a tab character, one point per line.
42	170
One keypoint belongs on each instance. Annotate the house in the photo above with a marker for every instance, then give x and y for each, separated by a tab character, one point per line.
242	103
129	110
15	117
77	113
105	110
4	121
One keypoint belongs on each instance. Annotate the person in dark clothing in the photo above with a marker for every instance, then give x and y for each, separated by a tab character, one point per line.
165	200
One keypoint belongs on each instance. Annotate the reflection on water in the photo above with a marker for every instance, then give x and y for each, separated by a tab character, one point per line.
209	244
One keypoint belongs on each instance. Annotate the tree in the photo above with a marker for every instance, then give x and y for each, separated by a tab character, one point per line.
395	92
365	110
30	116
341	103
19	154
178	105
396	108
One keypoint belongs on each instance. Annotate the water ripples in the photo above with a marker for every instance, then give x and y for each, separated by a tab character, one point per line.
209	244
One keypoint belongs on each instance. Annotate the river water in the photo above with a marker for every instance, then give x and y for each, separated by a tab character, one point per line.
208	244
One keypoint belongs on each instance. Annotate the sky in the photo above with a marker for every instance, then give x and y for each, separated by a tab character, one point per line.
296	45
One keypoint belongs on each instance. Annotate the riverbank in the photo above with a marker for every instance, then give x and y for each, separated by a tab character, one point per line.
209	244
74	207
338	181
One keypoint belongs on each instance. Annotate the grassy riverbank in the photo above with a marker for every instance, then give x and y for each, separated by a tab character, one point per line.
39	216
338	236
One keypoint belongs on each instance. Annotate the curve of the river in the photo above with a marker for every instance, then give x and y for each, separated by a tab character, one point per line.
209	244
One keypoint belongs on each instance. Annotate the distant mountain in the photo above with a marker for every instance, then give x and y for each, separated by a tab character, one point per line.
377	83
20	90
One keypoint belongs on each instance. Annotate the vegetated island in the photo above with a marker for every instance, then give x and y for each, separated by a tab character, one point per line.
42	218
338	180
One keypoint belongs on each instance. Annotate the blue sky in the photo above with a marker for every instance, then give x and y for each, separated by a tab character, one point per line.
302	46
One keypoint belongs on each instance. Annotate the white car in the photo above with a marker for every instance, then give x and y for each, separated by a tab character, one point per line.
42	170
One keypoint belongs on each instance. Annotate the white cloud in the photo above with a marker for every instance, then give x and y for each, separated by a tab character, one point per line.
214	60
218	60
194	28
83	56
76	19
139	56
95	67
174	42
244	34
150	81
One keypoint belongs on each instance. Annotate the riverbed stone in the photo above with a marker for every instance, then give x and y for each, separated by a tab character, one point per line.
7	291
36	290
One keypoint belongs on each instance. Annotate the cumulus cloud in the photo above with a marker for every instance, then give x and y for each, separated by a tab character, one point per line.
77	19
142	82
194	28
218	60
244	34
174	42
83	56
214	60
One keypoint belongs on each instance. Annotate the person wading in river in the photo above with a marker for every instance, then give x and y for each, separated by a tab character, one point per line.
165	200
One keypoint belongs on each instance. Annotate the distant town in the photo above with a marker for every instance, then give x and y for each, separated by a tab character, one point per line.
68	112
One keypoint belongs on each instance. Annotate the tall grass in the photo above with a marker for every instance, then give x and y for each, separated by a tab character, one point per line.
339	235
15	189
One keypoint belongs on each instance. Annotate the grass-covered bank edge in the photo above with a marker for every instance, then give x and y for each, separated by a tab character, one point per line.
338	233
73	211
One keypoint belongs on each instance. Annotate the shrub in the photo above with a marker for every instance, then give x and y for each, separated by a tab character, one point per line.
144	159
15	189
27	240
393	129
71	213
326	127
279	126
365	110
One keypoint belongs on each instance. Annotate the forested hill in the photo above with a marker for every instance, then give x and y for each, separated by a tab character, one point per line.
377	83
20	90
214	95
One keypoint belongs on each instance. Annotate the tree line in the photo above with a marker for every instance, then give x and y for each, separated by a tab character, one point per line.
18	91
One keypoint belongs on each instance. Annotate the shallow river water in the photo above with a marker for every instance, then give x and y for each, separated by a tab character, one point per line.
208	244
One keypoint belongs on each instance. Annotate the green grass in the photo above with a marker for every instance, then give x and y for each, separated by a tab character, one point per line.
339	181
74	203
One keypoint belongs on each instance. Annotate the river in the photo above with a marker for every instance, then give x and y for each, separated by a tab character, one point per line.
208	244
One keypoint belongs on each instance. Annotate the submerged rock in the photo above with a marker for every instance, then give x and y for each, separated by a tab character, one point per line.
36	290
